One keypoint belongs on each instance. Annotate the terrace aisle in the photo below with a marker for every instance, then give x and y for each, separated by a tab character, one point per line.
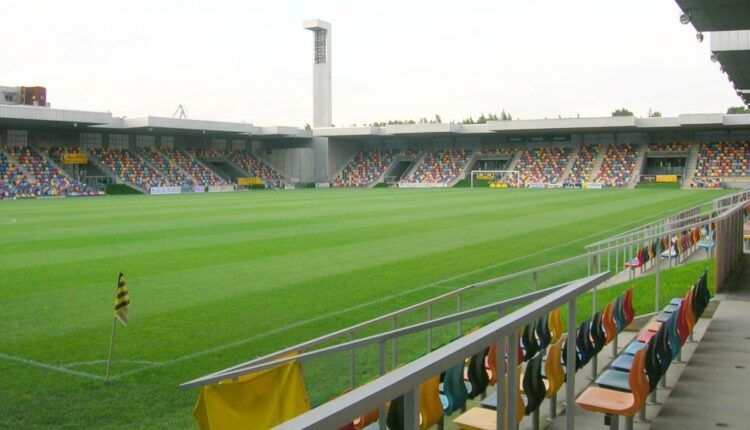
713	390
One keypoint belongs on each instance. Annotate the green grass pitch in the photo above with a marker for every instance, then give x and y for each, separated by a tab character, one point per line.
218	279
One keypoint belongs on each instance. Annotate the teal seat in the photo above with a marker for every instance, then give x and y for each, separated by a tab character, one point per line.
454	389
614	379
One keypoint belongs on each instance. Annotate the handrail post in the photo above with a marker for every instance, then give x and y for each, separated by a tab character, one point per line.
382	413
617	256
511	418
394	346
352	363
534	281
458	309
570	376
429	332
500	371
411	409
657	284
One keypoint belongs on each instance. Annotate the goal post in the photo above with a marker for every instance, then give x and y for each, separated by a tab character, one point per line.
493	176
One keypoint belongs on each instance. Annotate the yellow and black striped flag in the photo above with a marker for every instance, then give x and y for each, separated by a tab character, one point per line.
122	300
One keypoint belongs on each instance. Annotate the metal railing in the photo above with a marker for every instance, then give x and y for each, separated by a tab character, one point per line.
728	221
596	261
381	339
405	380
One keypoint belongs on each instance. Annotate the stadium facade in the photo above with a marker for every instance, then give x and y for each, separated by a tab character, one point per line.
612	151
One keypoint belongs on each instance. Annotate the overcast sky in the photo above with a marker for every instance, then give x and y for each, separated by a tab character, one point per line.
241	60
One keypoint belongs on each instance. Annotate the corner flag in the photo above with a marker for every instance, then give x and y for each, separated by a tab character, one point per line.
122	300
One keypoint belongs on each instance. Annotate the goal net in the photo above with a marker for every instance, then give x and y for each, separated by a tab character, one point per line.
495	178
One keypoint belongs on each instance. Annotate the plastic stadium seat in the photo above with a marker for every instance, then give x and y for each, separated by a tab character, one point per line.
634	347
454	389
614	379
645	337
430	407
553	370
622	362
598	399
480	418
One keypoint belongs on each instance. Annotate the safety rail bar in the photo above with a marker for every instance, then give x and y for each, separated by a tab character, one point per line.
594	266
691	212
731	199
406	380
378	338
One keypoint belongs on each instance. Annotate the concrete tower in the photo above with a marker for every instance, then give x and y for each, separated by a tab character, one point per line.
321	72
321	95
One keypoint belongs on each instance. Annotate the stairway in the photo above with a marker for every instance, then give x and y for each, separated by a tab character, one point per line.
635	176
574	155
283	173
690	166
101	166
417	162
513	161
596	167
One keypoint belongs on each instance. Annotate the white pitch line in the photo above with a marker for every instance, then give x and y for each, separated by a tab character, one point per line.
8	221
92	362
50	367
382	299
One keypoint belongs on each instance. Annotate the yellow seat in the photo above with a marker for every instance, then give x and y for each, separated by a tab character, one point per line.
486	419
430	406
555	325
553	368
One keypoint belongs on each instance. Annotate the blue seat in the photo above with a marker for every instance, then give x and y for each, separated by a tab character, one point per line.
614	379
623	362
634	347
663	317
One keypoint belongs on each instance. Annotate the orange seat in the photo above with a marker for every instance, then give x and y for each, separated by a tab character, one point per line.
654	326
597	399
608	320
645	336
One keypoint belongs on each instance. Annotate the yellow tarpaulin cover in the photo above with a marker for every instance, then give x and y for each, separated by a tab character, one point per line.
256	401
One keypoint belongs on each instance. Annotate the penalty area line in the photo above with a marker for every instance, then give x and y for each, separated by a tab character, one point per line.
41	365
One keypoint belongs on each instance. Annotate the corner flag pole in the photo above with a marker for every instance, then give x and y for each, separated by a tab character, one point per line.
111	348
122	303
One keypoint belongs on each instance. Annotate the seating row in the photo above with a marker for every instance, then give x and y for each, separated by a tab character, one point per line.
365	168
622	389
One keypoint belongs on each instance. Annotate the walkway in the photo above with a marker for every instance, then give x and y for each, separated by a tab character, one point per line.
714	388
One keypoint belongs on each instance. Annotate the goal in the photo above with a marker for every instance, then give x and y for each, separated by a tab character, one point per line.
492	176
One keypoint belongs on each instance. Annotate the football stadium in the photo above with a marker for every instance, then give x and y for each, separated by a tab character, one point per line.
169	272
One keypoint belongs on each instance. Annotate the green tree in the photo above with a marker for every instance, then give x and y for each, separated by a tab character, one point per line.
505	116
736	110
622	112
654	114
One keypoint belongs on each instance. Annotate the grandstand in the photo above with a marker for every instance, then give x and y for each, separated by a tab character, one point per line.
157	155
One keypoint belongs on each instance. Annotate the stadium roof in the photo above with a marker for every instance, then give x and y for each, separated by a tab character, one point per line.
732	50
41	117
717	15
568	125
729	24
